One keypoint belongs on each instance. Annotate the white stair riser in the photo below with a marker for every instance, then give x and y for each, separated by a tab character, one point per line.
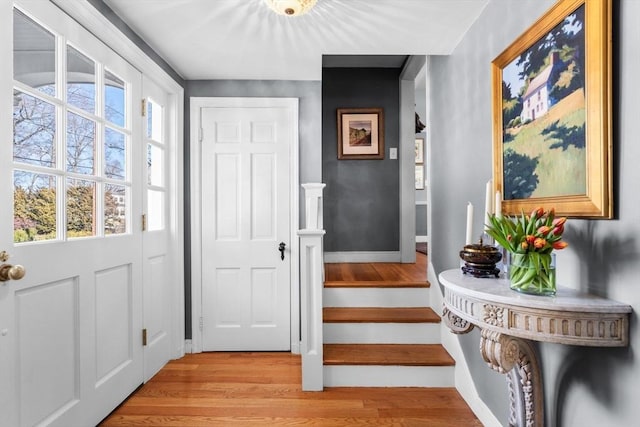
381	333
375	297
388	376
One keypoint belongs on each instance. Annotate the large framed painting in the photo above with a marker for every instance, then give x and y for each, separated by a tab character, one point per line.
552	113
360	133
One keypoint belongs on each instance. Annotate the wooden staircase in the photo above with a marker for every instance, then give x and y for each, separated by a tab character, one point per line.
379	330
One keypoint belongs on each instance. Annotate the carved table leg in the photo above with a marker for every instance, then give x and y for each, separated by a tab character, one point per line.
516	358
457	324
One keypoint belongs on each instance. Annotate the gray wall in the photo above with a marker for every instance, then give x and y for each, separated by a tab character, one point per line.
361	204
584	386
310	154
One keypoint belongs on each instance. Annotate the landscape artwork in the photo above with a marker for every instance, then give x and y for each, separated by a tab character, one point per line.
543	115
552	113
360	133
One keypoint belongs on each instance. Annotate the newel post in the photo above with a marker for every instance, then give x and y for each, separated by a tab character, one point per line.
311	284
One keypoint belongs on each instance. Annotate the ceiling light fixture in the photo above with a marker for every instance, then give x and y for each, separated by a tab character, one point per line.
291	7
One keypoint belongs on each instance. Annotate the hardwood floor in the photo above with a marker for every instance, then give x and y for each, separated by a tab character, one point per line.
244	389
241	389
389	272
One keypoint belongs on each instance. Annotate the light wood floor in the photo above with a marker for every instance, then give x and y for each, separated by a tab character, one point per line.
389	273
240	389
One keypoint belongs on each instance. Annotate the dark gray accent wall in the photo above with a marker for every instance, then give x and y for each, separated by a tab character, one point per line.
309	129
585	387
361	199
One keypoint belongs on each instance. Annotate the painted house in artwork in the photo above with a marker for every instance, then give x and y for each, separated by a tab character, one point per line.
536	101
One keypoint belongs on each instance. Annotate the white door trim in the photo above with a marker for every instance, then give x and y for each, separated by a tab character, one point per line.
196	103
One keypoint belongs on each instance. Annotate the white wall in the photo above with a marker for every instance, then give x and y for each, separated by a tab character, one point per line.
584	386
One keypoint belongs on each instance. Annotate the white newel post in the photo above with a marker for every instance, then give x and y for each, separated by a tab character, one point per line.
311	283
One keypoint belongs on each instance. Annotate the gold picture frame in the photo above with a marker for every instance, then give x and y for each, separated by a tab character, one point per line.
552	133
360	133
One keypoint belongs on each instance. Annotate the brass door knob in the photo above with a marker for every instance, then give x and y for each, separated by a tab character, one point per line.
11	272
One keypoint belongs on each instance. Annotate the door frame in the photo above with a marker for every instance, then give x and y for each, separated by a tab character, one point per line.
196	103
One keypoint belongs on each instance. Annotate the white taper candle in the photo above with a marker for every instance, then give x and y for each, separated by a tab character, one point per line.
469	224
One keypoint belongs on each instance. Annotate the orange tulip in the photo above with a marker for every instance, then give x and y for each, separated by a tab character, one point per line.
539	243
558	230
560	244
537	213
559	221
524	245
544	229
530	239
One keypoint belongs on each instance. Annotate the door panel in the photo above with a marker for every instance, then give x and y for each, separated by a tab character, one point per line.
70	344
157	260
48	349
245	216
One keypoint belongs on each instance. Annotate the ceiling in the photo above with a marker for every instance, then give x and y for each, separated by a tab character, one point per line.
243	39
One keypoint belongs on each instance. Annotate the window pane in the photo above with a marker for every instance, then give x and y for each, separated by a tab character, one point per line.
81	81
34	130
155	210
154	165
80	208
81	135
114	96
115	209
34	206
34	48
114	154
154	121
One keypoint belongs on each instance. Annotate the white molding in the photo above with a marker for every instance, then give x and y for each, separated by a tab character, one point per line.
422	239
374	256
196	103
451	342
187	346
421	203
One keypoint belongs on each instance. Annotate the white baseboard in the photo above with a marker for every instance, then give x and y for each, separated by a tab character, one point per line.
463	381
422	239
377	256
187	346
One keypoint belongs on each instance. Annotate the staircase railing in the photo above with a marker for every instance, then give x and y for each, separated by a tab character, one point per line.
311	284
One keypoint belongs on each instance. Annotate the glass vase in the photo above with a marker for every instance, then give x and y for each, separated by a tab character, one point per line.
532	273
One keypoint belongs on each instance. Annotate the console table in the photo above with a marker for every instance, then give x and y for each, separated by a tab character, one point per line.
509	321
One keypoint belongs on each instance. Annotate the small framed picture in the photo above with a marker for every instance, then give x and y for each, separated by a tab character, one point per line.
360	133
419	177
419	151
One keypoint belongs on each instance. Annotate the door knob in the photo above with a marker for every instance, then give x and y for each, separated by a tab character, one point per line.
8	271
281	247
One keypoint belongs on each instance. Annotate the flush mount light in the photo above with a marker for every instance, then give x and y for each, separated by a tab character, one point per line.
291	7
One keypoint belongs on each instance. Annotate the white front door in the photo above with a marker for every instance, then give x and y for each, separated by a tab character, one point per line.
157	255
70	330
246	227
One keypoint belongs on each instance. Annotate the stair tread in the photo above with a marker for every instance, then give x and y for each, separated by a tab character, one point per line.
379	315
377	284
387	354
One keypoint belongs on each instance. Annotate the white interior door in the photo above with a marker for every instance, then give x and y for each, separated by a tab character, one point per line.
157	257
245	192
70	345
